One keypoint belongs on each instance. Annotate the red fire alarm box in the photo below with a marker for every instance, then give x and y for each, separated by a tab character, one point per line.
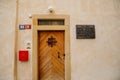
23	55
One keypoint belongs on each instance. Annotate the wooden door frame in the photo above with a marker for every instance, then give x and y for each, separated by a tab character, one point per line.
37	28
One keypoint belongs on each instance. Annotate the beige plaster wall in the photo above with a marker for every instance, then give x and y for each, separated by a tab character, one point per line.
96	59
7	32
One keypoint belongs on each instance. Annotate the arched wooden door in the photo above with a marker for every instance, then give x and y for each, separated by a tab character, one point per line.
51	55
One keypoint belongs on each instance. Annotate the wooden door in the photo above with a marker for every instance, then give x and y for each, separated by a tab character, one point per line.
51	55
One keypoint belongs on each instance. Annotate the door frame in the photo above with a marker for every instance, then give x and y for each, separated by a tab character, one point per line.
37	28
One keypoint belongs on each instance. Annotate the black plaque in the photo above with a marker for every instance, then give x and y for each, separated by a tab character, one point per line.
85	31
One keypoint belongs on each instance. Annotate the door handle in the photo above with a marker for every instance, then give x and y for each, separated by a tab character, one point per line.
63	56
58	54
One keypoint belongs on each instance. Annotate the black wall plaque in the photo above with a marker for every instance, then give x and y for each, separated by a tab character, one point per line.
85	31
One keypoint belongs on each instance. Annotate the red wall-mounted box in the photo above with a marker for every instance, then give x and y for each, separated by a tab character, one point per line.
23	55
28	26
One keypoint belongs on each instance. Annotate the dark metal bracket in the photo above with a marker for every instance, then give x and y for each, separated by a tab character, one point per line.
51	41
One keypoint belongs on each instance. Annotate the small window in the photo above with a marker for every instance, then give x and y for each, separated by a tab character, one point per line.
50	22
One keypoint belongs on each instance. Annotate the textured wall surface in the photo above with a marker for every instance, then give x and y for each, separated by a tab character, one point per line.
7	31
96	59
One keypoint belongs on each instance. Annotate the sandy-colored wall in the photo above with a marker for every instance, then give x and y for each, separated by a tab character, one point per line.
96	59
7	32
